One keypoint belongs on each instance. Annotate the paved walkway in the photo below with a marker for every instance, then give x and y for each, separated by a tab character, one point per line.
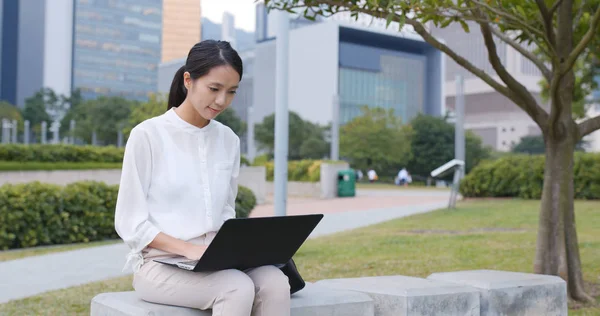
34	275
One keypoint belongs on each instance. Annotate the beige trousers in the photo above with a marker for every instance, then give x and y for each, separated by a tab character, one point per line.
263	291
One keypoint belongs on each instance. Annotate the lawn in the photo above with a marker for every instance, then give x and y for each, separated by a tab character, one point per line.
36	251
492	234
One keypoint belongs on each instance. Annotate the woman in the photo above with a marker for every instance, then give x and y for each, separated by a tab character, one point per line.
178	186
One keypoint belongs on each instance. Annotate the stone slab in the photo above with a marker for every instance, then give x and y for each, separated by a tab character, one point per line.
403	295
311	301
513	293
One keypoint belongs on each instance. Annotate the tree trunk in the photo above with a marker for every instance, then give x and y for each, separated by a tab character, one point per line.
557	250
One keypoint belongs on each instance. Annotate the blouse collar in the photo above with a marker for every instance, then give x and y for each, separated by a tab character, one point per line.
174	118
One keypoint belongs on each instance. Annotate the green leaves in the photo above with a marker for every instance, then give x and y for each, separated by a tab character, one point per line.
306	139
60	153
231	119
376	139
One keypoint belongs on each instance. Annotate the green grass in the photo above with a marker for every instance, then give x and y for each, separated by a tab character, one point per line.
492	234
28	166
36	251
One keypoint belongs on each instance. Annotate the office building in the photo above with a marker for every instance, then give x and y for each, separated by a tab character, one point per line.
181	28
116	47
361	66
101	47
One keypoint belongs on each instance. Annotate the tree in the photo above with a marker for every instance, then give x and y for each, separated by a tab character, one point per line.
534	145
35	107
104	116
564	31
155	106
432	145
376	139
301	132
11	112
74	102
231	119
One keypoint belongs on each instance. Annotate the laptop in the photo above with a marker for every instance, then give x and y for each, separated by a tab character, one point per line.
245	243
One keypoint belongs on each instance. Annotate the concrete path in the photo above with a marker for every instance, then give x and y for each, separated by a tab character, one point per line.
34	275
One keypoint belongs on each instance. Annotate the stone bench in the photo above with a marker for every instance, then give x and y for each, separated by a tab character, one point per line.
513	293
312	300
403	295
479	292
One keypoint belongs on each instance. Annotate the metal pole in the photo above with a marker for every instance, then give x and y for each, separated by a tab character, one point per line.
14	131
119	138
281	112
72	131
459	129
94	138
459	139
5	131
250	134
335	129
44	128
26	132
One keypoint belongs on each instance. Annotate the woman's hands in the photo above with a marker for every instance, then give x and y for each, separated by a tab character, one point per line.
170	244
194	252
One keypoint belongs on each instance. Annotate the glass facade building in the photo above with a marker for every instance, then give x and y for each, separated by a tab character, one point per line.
116	47
376	73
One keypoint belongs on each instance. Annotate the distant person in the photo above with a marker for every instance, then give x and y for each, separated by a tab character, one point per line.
359	175
403	177
179	185
372	175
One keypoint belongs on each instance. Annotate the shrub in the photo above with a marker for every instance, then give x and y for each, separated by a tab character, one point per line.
244	202
298	170
36	214
244	161
49	166
90	206
60	153
30	215
523	177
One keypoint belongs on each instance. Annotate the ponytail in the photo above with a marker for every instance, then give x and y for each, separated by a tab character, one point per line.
178	92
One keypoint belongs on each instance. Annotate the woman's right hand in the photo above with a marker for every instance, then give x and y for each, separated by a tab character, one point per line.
194	252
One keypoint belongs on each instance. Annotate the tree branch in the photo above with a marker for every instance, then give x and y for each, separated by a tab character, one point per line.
529	55
555	7
547	19
528	102
579	14
587	38
512	18
589	126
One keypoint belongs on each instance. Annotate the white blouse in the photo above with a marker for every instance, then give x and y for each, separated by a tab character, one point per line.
178	179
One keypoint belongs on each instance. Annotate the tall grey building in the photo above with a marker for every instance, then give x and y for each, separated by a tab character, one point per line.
101	47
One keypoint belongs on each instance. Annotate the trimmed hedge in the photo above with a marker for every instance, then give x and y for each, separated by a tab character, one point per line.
49	166
36	214
244	202
60	153
523	177
298	170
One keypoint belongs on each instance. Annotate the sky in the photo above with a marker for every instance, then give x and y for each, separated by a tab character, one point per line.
243	10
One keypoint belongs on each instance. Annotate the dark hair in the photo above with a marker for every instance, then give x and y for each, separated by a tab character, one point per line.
203	57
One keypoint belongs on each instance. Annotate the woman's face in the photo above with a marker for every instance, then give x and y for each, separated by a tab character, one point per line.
212	93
